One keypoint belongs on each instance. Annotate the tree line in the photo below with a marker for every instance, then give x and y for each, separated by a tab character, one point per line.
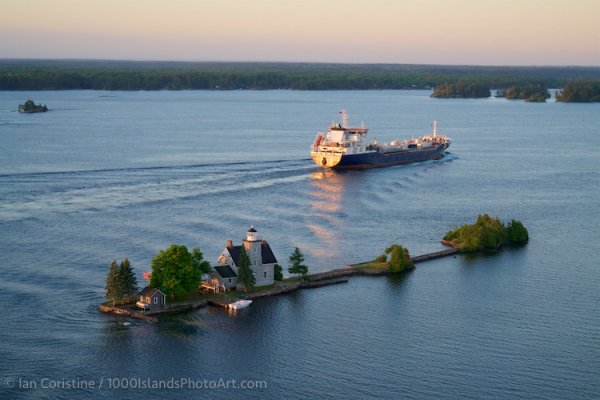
105	75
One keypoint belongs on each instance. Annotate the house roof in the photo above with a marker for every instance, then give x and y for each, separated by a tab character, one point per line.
148	291
267	254
251	229
225	271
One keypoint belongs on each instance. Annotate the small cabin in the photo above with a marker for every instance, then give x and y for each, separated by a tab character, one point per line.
153	297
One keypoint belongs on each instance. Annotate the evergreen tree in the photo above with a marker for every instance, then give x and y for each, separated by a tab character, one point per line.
127	280
245	273
113	288
278	272
296	260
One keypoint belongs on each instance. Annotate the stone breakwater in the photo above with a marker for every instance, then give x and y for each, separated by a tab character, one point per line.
333	277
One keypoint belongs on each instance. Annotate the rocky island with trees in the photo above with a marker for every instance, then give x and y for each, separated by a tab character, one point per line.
461	89
31	107
529	93
581	91
486	234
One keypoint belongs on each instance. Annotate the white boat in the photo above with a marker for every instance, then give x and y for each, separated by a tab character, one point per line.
239	304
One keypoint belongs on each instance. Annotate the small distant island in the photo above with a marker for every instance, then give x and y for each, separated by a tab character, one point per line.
31	107
486	234
529	93
461	89
581	91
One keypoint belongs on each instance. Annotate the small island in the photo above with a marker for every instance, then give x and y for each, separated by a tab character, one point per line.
486	234
182	280
583	91
529	93
461	89
31	107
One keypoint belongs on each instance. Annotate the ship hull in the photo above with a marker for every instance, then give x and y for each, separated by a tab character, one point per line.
379	159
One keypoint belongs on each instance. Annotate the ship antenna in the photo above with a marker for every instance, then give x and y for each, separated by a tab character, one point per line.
434	128
344	118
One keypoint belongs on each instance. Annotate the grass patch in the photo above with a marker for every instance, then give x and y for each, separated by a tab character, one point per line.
379	265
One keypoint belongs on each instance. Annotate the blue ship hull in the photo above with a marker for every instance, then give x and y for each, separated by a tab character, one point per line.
379	159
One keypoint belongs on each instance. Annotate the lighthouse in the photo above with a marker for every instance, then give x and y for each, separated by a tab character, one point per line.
253	247
262	261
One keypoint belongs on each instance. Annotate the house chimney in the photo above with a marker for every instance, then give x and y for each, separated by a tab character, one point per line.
229	243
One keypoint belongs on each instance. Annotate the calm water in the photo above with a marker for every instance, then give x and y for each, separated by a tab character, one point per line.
108	175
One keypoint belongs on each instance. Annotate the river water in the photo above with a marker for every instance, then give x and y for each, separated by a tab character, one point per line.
109	175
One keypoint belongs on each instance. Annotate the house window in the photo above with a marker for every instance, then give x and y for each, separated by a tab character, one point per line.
156	300
229	280
265	274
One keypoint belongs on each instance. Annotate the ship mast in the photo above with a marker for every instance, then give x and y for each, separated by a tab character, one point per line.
344	119
434	128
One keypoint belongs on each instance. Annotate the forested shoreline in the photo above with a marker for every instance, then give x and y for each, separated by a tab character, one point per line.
138	75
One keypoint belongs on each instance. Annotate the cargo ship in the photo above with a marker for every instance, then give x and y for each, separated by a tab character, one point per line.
344	147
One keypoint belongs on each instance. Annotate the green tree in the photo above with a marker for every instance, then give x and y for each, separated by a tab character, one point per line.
296	263
176	271
516	232
127	281
400	260
112	287
245	273
278	272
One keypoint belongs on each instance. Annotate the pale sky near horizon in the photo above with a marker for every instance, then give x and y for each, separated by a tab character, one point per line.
481	32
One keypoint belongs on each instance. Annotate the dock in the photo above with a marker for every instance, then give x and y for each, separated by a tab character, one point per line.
437	254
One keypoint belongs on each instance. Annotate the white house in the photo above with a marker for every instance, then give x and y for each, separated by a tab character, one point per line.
262	261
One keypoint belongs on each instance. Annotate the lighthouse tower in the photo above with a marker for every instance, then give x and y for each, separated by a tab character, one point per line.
253	245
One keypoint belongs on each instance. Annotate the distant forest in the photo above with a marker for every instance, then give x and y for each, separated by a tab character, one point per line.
133	75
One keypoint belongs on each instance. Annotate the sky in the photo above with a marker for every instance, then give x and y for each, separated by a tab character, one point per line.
464	32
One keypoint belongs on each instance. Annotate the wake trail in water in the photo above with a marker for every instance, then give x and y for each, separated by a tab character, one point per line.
32	195
149	168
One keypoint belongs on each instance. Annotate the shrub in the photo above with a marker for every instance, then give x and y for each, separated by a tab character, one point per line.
516	232
278	272
399	259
